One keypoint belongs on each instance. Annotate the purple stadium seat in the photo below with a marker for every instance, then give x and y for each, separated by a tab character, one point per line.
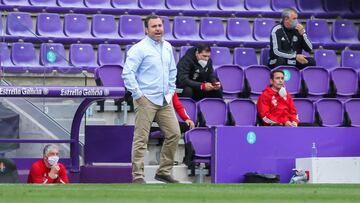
238	29
213	111
104	26
19	24
110	54
131	27
345	81
57	50
16	2
232	79
212	29
45	3
49	25
5	55
351	59
200	138
106	75
243	112
317	80
76	26
152	4
292	78
185	28
264	56
71	3
334	6
262	29
326	58
311	6
190	107
245	57
221	56
352	107
280	5
24	55
205	4
258	5
305	109
319	34
345	31
83	55
232	5
167	28
258	78
98	4
333	118
125	4
179	5
183	50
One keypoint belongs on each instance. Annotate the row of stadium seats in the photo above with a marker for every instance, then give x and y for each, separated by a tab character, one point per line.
242	112
23	57
244	8
182	31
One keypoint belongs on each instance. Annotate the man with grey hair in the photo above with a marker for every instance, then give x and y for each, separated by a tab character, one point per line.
47	170
288	39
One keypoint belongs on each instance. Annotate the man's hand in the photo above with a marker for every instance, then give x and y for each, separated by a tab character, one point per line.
209	86
291	124
300	28
216	85
301	59
294	124
54	171
190	123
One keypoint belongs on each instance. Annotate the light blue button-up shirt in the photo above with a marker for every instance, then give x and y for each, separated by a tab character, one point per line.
150	70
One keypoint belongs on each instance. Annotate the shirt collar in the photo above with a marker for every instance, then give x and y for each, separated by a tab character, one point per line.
155	42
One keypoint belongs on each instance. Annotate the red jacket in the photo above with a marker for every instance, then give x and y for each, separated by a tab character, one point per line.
39	174
180	110
274	109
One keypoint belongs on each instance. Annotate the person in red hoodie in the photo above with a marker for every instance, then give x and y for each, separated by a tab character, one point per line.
48	170
275	105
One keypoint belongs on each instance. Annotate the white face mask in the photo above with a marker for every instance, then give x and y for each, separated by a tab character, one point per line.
202	63
52	160
282	92
294	23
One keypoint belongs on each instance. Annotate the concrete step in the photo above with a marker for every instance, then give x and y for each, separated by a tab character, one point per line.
179	173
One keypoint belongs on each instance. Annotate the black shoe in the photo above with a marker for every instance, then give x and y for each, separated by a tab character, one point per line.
165	179
139	181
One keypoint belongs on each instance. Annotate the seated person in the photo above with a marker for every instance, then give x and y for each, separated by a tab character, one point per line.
180	110
287	41
48	170
195	74
275	105
8	171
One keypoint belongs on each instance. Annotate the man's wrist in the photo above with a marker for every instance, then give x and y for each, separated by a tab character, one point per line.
53	176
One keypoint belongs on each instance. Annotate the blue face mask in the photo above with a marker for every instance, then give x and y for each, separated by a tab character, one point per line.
294	23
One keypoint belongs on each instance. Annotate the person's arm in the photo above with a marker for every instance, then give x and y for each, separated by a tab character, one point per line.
37	176
133	61
212	77
276	44
263	107
63	177
306	43
183	76
172	73
180	110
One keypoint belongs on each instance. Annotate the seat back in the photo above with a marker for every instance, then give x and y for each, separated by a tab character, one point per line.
262	29
82	55
220	56
238	29
245	57
200	139
264	56
333	117
280	5
214	111
212	28
104	26
232	5
258	78
5	55
326	58
352	107
305	109
131	26
344	31
190	107
314	6
110	75
49	25
185	28
53	55
243	112
317	80
345	81
76	25
205	4
19	24
350	58
24	54
110	54
318	31
258	5
292	78
231	78
152	4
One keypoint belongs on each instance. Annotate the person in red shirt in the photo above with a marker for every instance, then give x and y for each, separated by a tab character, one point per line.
48	170
275	105
180	110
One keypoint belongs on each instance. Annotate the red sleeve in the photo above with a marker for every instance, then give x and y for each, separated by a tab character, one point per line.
35	174
180	110
292	110
63	178
263	107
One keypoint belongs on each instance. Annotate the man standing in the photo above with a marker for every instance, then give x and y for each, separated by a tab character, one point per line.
196	74
149	74
48	170
287	41
275	105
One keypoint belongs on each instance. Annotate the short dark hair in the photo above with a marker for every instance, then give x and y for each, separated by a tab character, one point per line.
149	17
202	47
275	71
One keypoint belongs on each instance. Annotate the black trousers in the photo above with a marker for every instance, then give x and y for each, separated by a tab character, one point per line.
199	94
283	62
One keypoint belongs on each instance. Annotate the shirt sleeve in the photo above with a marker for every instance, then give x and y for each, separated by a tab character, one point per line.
133	61
306	44
172	73
180	110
